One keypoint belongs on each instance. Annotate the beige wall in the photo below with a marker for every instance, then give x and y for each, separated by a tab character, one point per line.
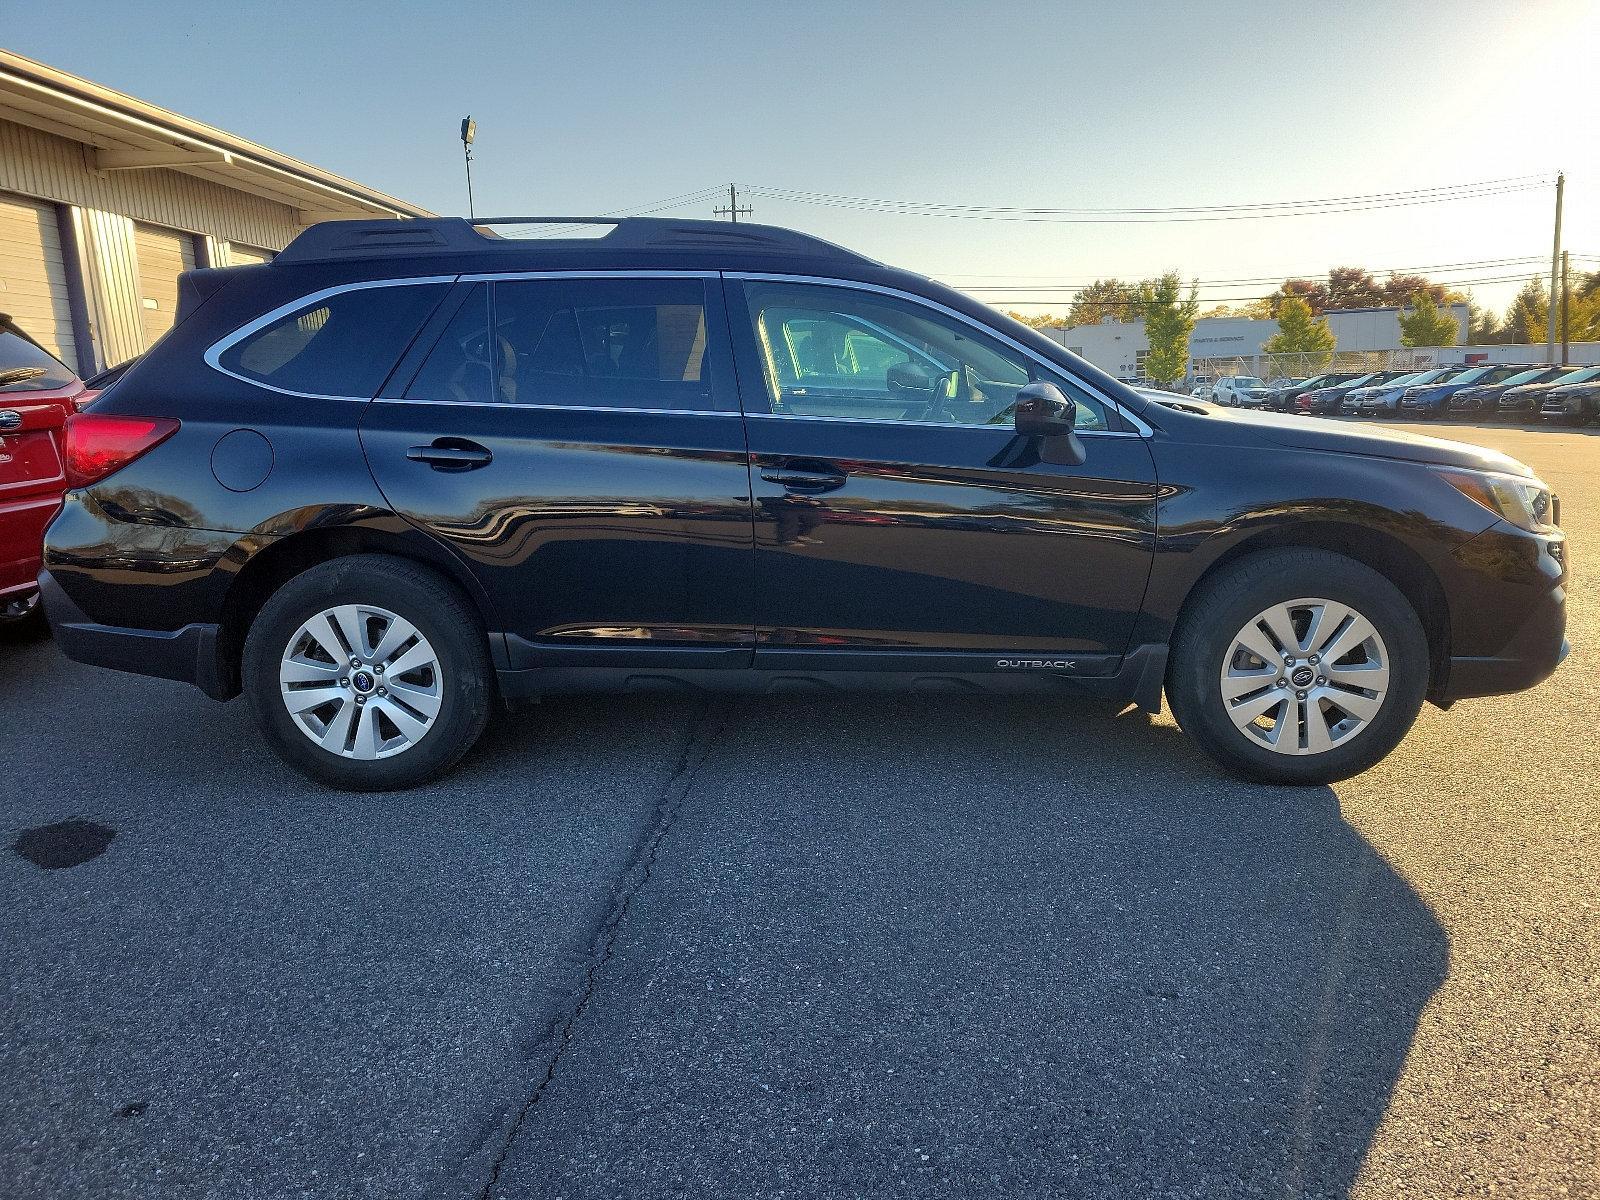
39	164
102	207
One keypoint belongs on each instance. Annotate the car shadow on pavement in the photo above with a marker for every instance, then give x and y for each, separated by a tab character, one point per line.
940	948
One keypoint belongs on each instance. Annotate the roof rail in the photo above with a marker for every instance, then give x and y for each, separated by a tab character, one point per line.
341	240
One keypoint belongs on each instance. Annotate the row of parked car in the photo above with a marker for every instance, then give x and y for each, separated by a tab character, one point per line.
1508	391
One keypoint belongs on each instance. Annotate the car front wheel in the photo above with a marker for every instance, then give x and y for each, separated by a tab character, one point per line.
368	673
1299	667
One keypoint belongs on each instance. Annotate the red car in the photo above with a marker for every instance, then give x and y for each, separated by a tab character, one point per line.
37	394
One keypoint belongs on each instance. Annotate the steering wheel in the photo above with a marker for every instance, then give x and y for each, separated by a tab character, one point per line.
955	387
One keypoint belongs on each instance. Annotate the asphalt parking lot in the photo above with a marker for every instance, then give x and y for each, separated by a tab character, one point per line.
807	948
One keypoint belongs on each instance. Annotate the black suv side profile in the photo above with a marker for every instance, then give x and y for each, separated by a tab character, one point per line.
408	469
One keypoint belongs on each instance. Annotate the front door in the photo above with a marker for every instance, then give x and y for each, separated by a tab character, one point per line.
898	515
577	441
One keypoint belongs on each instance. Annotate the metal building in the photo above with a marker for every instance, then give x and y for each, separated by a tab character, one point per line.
104	199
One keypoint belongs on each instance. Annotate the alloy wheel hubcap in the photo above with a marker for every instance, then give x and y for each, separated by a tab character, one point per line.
361	682
1305	676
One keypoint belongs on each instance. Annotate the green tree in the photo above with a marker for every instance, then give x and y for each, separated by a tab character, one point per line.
1301	333
1426	324
1483	326
1528	317
1101	299
1169	318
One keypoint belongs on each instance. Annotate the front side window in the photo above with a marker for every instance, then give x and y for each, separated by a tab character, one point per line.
344	345
614	343
842	352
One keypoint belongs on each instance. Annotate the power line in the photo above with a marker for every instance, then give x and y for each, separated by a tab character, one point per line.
681	200
1177	214
1318	272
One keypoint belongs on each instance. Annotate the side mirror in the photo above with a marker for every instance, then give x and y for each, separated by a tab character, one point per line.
1042	410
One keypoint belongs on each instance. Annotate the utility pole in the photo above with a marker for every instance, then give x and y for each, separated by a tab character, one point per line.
469	130
1555	268
733	212
1566	300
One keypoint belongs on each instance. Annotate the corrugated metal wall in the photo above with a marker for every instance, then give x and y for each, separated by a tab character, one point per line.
39	164
101	209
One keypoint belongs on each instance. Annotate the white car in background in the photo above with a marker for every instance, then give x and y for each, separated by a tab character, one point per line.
1240	391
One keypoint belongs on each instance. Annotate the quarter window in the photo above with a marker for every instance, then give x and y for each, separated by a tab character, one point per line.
344	345
840	352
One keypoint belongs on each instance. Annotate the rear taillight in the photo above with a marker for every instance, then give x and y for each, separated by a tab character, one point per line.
96	444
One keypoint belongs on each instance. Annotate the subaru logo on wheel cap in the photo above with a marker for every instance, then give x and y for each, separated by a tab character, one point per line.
1302	677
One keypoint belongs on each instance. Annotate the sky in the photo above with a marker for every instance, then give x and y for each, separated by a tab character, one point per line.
585	108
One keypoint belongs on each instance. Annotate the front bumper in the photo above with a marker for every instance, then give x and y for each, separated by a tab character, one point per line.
1515	622
191	654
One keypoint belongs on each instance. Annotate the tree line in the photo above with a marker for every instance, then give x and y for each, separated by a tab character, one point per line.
1299	306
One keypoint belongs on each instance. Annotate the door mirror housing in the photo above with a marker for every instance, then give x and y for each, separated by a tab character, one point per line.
1047	419
1043	410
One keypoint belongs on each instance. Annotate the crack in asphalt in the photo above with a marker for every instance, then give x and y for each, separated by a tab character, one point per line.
703	733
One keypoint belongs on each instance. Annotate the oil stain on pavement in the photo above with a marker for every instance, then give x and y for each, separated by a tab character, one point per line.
63	844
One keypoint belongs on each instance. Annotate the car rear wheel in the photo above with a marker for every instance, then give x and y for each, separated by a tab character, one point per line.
368	673
1298	666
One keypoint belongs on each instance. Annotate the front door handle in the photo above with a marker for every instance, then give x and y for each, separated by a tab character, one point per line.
808	479
451	454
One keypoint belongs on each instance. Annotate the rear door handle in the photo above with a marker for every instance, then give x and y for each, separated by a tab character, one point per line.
451	454
810	479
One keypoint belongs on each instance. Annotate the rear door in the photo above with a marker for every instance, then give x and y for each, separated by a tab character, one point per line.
36	394
576	439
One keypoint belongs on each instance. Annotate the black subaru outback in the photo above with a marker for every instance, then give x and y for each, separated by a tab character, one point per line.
409	469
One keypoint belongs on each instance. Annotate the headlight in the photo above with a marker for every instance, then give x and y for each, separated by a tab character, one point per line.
1526	503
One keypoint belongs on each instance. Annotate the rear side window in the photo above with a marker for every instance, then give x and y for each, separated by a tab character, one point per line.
344	345
616	343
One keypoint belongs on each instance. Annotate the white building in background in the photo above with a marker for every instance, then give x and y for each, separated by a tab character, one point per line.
105	199
1119	347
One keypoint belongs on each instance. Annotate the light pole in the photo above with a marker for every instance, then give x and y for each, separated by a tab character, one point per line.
469	130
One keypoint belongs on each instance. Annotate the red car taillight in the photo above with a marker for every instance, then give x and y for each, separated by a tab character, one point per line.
97	445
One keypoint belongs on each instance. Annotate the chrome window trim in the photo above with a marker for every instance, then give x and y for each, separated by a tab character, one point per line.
222	345
213	354
1143	430
881	421
591	408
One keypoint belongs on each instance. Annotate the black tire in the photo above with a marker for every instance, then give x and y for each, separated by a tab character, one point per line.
1226	604
31	627
440	613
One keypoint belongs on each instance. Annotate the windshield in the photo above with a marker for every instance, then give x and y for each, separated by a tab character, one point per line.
1582	376
1526	376
1471	376
1247	381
